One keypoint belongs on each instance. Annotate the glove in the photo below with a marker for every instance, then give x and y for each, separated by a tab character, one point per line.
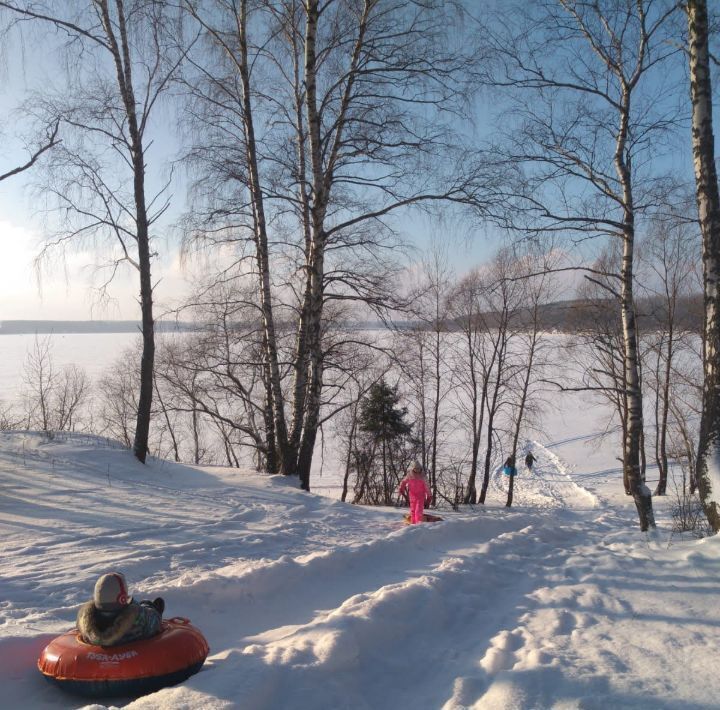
159	604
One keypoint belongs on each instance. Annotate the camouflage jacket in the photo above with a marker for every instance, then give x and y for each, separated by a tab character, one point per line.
135	622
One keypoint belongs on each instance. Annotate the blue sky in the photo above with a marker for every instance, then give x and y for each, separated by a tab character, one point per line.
66	287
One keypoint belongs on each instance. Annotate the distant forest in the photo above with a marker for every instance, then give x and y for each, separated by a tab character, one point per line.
53	327
569	316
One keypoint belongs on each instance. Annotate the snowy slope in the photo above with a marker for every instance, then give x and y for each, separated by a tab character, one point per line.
311	603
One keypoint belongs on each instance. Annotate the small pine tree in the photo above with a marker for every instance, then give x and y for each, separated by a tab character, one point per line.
380	414
383	420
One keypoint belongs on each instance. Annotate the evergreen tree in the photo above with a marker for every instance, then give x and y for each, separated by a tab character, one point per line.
383	420
380	415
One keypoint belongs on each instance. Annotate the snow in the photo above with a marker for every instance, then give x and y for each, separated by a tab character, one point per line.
307	602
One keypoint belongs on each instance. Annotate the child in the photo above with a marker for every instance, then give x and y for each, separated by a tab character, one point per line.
112	618
418	491
509	467
529	460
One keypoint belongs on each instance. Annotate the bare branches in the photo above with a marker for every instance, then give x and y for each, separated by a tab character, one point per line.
52	140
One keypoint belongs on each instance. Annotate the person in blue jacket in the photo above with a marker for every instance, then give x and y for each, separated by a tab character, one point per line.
509	467
113	618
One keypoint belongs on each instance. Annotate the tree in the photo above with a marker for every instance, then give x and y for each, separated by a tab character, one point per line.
670	256
118	391
504	299
588	97
708	202
423	356
384	422
216	375
54	397
537	289
599	334
362	98
472	367
125	64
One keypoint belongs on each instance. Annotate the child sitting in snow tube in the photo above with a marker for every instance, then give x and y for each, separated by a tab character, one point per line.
113	618
122	647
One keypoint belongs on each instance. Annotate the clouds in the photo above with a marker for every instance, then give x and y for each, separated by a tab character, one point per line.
72	285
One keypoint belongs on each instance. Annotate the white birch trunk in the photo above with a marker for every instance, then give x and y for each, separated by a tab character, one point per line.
286	461
708	201
120	50
633	392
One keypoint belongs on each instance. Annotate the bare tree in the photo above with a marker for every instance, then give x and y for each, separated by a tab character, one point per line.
117	398
54	397
588	93
670	257
40	379
430	311
708	201
502	305
474	360
535	274
215	376
599	347
358	108
124	64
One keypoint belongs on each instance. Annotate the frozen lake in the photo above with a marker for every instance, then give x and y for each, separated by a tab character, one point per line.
92	352
571	422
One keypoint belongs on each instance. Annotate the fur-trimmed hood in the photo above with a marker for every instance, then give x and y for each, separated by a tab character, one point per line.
123	627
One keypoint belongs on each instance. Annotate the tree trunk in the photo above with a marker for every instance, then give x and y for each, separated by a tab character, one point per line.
633	392
488	450
262	256
436	417
523	398
663	419
708	201
316	257
121	56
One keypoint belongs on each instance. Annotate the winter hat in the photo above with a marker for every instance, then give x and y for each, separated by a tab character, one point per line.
415	468
111	592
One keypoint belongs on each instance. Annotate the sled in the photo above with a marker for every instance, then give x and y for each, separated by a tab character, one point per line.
132	669
427	518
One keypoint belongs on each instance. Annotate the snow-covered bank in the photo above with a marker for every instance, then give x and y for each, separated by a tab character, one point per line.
311	603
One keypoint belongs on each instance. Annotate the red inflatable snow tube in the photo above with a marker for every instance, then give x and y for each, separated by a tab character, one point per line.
137	668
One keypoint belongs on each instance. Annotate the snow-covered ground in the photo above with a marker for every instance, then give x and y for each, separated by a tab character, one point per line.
306	602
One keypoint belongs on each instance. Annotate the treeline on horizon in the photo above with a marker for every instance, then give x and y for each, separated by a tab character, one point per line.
566	316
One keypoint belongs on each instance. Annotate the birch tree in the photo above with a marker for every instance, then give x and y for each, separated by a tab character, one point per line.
502	304
537	290
98	174
670	256
345	140
589	100
473	366
708	202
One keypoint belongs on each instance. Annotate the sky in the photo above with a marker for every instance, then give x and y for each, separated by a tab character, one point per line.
66	285
65	288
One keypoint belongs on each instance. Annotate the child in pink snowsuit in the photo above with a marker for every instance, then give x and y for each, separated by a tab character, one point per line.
417	490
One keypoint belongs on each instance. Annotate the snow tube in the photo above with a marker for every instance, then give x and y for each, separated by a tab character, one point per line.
132	669
427	518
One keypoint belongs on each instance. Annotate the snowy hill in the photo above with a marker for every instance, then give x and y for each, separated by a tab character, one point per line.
311	603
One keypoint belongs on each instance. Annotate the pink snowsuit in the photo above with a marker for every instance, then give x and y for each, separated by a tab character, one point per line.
419	493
